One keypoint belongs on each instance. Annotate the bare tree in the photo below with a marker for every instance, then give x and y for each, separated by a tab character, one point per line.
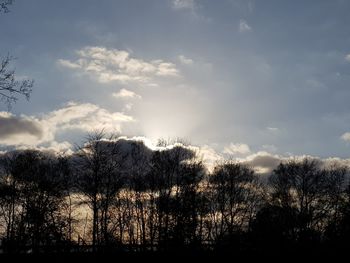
164	178
234	190
4	6
10	87
35	195
96	165
310	190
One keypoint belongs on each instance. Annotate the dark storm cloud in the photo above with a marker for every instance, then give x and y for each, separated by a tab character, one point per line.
11	126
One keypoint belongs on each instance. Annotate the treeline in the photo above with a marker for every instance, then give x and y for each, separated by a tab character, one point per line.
112	195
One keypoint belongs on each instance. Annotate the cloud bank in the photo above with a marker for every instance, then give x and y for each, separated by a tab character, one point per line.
36	130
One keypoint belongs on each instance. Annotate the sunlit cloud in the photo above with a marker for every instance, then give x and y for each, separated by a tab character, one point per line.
126	94
86	116
36	130
346	137
236	148
109	65
209	156
53	147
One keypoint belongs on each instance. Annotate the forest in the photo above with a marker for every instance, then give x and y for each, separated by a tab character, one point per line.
114	194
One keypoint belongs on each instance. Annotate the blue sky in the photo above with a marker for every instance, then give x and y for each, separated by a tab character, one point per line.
239	77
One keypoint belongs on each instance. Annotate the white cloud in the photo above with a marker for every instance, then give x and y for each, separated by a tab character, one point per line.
347	57
126	94
243	26
185	60
262	162
86	116
37	130
183	4
237	148
165	68
109	65
58	147
346	137
53	147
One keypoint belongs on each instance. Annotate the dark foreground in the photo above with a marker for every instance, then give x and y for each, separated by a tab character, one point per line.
272	255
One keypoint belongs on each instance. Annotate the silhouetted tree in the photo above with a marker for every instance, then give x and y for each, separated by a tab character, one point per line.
338	230
184	204
164	199
96	165
69	203
274	228
165	173
234	189
312	191
9	198
36	194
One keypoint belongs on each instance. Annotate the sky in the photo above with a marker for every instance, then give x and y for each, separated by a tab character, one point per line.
239	78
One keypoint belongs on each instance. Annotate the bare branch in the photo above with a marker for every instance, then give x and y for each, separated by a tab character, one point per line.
4	5
10	87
